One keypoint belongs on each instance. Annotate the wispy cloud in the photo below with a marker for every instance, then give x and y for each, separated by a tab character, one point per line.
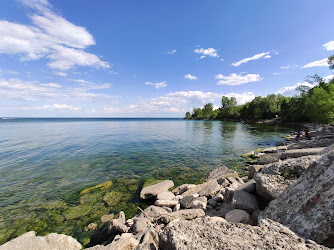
206	52
190	77
275	74
51	36
290	66
329	45
62	107
235	79
91	85
157	85
113	72
59	73
171	52
320	63
255	57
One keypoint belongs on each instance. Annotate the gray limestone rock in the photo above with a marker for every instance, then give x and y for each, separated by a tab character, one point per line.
205	233
248	187
221	172
181	189
208	189
186	214
245	201
306	207
220	210
186	200
140	225
153	212
29	241
237	216
252	169
294	153
166	196
199	202
154	190
165	203
267	158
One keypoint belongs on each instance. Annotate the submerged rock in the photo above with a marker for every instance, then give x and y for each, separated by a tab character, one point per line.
29	241
205	233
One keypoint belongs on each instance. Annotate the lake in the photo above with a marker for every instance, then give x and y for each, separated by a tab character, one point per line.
47	161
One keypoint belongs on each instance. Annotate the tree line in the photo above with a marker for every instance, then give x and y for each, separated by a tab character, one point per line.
310	105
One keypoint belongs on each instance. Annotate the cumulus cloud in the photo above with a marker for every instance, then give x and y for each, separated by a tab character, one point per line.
190	77
328	78
320	63
329	45
235	79
50	36
292	90
183	101
290	66
157	85
206	52
255	57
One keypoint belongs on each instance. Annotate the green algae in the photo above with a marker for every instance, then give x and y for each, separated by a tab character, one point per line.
101	186
111	198
76	212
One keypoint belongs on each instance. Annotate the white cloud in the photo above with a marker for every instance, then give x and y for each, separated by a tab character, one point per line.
320	63
190	77
275	74
111	110
52	85
113	72
91	85
290	66
157	85
50	36
255	57
61	107
292	90
171	52
242	98
59	73
12	72
235	79
328	78
329	45
206	52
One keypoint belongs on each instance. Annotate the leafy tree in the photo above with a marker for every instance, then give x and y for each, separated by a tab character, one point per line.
207	111
331	62
188	115
197	113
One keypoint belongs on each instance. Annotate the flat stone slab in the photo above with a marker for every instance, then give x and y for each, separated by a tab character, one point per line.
154	190
221	172
186	214
294	153
209	189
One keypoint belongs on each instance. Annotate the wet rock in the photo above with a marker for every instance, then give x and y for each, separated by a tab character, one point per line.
220	173
107	218
77	212
165	203
29	241
245	201
111	198
166	196
306	207
154	190
204	233
208	189
274	178
237	216
181	189
182	214
91	226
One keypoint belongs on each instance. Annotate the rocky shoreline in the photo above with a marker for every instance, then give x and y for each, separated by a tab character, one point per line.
286	202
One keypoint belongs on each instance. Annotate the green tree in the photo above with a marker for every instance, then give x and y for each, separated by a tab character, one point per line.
188	115
331	62
207	111
197	113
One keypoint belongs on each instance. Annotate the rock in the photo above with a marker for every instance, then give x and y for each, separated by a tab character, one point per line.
154	190
112	198
255	217
274	178
267	158
186	200
294	153
220	173
140	225
221	210
199	202
218	197
165	203
245	201
216	219
237	216
252	169
306	207
77	212
153	211
248	187
182	214
240	180
129	222
212	203
29	241
205	233
149	240
91	226
269	150
125	242
107	218
168	209
166	196
233	180
177	207
178	197
281	148
181	189
208	189
118	225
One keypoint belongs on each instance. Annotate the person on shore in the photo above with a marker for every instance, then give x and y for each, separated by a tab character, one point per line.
307	134
298	136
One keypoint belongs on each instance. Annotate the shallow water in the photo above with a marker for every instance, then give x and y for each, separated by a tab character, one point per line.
51	159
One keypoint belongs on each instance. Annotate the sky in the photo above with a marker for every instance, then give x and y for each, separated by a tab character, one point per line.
156	58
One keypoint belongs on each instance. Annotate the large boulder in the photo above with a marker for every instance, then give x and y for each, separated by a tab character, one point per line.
29	241
208	189
274	178
245	201
306	207
221	173
205	233
154	190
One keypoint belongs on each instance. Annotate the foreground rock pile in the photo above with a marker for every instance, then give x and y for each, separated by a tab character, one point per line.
287	202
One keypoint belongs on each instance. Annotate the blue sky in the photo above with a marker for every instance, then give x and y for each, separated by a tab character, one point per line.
155	58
